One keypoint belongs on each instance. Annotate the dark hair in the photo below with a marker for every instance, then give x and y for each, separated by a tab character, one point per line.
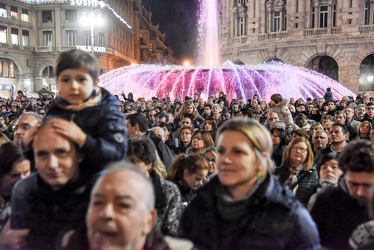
138	119
10	154
282	134
143	148
357	156
277	98
344	128
74	59
325	158
247	112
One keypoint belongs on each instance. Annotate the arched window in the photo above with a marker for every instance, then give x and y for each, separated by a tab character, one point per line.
366	78
8	69
48	72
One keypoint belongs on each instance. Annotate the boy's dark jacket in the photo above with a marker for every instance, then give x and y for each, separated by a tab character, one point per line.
105	127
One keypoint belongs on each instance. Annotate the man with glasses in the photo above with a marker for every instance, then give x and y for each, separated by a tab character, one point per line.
338	211
26	121
369	116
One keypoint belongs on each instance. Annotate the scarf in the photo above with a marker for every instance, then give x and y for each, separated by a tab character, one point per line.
292	180
93	100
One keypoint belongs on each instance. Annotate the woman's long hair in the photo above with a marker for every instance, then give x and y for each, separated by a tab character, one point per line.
308	164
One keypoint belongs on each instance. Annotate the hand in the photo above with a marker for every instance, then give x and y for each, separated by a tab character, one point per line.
29	136
70	130
16	239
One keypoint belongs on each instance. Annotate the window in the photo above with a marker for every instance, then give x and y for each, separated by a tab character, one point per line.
87	39
276	21
14	12
71	37
46	16
14	36
8	69
241	2
48	72
25	38
3	11
71	16
101	40
47	38
25	16
323	16
3	34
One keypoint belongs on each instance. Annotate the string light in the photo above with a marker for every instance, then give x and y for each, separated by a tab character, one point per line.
101	3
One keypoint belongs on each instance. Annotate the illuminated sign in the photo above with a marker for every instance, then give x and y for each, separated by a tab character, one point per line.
95	48
85	2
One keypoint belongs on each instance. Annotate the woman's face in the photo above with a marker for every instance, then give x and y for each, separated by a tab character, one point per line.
21	170
189	109
313	129
330	170
197	142
237	164
208	126
298	153
211	159
275	138
364	129
194	180
186	136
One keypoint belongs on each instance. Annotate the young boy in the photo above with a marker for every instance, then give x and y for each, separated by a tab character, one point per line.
90	114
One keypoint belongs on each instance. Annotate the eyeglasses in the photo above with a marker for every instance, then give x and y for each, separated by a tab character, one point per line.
185	133
197	138
210	159
24	127
302	150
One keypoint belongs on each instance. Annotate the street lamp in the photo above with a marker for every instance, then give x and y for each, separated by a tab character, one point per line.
92	16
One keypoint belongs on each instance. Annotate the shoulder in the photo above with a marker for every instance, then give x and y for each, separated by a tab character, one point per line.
169	187
26	185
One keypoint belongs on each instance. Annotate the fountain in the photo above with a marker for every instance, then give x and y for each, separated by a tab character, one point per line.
237	81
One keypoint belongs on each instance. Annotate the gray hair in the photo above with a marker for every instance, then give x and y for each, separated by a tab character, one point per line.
38	117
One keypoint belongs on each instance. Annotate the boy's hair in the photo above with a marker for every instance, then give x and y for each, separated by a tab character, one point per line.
74	59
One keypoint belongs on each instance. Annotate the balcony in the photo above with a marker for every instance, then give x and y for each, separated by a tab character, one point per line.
322	31
366	28
273	35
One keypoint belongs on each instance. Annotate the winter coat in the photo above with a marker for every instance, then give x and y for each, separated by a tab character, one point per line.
283	112
105	127
308	182
275	220
45	212
337	215
168	205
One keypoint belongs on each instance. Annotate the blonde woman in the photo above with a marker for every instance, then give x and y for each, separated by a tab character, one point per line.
297	171
239	207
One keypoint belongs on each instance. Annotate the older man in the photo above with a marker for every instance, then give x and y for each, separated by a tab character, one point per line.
26	121
319	140
56	196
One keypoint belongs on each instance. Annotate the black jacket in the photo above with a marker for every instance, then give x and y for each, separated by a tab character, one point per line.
45	212
105	127
308	182
275	220
337	215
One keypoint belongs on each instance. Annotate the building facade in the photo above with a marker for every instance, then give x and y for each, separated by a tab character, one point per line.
334	37
34	32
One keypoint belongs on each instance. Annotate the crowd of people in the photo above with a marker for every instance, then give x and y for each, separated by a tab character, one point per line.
88	170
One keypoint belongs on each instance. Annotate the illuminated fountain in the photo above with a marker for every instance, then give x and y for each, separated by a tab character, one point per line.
234	80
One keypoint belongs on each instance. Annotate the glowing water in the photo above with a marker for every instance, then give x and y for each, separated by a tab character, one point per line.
208	32
234	80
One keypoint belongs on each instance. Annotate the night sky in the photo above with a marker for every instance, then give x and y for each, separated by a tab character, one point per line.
178	19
